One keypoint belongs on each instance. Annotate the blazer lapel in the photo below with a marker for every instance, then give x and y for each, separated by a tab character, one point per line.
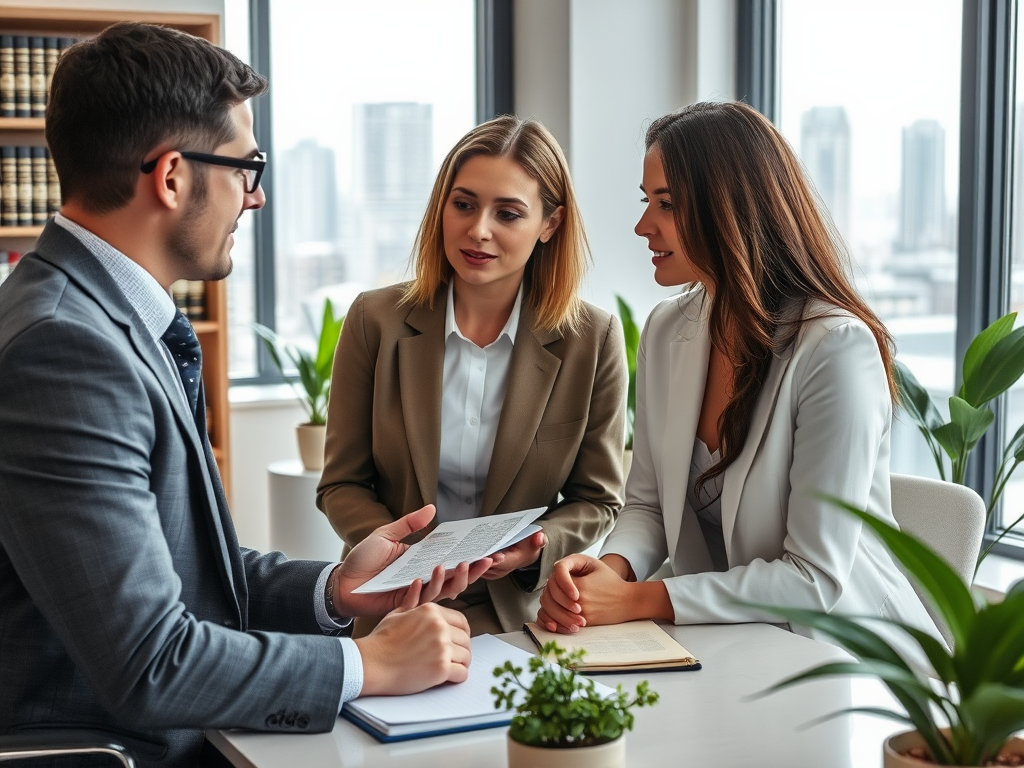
736	473
421	374
531	376
688	361
64	251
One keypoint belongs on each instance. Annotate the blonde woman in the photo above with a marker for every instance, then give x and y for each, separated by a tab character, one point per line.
485	385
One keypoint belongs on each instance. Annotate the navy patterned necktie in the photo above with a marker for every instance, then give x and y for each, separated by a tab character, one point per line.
188	357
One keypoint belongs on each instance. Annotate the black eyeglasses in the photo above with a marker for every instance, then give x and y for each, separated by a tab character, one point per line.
253	168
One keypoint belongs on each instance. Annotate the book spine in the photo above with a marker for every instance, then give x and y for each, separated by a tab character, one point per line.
8	187
40	191
50	54
52	186
196	300
24	187
7	80
37	83
179	292
22	78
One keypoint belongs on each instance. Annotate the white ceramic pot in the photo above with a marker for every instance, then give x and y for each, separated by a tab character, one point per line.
610	755
627	462
311	439
895	746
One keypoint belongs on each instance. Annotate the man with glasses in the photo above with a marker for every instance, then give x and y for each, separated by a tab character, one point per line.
126	603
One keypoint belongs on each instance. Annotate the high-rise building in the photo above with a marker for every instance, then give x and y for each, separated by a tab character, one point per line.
307	195
923	220
392	180
825	151
306	229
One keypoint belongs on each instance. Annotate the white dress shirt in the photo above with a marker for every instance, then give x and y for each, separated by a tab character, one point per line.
472	393
156	309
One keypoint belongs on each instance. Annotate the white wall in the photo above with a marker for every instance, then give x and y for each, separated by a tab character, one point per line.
597	72
263	423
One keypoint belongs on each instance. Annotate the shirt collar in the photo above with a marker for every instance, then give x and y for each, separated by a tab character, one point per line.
146	296
511	325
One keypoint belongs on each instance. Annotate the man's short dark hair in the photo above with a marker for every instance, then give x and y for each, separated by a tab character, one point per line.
120	95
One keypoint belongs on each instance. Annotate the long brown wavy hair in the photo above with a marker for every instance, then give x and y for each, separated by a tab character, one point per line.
556	268
748	219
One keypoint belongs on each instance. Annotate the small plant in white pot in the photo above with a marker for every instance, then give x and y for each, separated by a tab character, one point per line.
562	720
314	381
968	715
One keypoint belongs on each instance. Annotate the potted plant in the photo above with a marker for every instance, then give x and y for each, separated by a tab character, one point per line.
992	364
967	717
562	721
632	336
314	381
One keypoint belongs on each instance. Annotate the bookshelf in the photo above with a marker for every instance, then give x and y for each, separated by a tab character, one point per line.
29	131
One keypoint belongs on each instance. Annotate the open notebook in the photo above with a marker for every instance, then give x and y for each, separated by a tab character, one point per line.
630	647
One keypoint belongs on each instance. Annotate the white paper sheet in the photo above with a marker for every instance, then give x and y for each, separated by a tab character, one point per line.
451	543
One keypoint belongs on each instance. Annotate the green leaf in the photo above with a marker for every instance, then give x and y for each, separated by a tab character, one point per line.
1001	368
947	593
994	647
991	714
915	400
967	425
631	333
979	350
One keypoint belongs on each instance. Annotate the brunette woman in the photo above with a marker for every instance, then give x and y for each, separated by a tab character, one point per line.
767	378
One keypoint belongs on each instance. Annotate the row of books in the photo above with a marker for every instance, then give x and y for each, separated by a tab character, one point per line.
8	259
190	297
29	190
26	71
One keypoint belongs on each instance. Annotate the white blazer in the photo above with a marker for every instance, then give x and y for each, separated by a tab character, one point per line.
821	423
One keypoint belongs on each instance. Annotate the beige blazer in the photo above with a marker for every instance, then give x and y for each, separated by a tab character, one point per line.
821	423
559	441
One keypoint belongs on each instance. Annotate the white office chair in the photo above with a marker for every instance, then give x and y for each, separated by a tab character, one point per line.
949	518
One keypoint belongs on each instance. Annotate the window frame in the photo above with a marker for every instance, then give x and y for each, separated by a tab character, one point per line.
986	133
494	96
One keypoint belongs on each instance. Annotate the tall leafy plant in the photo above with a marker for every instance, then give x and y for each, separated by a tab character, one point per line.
979	695
992	364
632	336
314	370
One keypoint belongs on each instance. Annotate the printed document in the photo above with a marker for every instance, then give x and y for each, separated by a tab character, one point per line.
451	543
633	645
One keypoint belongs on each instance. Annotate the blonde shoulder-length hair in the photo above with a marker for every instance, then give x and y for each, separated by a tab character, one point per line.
556	268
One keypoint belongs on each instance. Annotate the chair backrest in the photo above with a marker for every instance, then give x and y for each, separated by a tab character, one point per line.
949	518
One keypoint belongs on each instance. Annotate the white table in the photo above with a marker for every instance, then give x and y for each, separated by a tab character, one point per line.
297	527
704	718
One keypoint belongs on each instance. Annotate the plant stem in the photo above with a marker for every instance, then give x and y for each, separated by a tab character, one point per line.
996	540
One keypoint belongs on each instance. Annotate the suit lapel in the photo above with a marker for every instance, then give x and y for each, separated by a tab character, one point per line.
736	473
531	376
64	251
688	373
421	372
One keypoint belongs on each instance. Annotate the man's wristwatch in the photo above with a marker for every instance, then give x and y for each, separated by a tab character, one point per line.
332	612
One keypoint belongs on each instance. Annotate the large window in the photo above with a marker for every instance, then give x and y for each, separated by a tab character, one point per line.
908	120
874	114
366	99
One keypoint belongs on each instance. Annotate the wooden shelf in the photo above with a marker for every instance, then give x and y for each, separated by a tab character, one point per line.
205	326
29	131
21	231
22	123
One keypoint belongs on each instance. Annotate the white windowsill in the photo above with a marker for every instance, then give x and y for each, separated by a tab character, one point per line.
261	396
998	573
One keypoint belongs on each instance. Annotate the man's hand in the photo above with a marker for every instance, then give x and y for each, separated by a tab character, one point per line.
585	591
519	555
380	549
413	649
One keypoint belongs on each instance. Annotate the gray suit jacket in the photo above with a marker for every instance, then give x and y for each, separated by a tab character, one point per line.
125	600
